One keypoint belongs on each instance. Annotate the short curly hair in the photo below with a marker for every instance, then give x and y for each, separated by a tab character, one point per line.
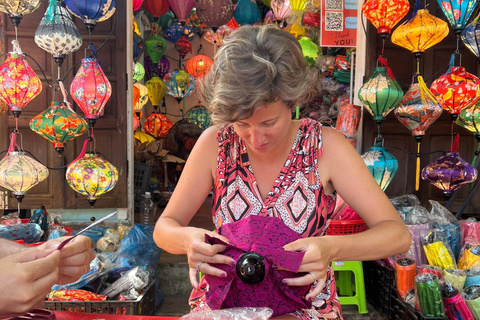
255	66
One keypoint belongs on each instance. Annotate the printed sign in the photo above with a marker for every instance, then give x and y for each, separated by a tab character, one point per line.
339	23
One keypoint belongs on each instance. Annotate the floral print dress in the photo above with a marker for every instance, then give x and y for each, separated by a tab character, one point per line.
297	198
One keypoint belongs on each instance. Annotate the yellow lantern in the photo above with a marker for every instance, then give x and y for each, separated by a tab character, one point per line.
297	30
156	89
143	98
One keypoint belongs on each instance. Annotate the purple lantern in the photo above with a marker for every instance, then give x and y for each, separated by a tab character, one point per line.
160	69
182	8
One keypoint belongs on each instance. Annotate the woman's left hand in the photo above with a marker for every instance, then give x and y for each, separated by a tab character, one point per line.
315	263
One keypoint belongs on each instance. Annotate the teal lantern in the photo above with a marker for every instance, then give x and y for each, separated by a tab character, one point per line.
381	93
199	115
179	84
381	163
247	12
457	12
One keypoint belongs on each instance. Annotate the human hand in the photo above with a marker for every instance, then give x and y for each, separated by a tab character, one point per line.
26	279
75	257
201	254
315	263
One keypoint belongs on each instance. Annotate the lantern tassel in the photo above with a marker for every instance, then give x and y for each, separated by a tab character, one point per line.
384	62
64	94
417	171
13	144
82	153
455	145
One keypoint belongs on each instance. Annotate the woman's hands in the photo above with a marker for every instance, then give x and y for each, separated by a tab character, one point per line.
75	257
315	263
201	254
26	279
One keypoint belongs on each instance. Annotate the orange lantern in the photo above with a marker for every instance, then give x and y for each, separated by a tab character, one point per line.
384	15
157	125
199	65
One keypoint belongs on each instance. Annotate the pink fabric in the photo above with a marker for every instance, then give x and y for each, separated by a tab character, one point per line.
265	236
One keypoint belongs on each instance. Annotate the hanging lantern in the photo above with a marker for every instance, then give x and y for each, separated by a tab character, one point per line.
16	9
19	173
281	9
469	119
58	124
18	82
142	97
471	36
215	14
381	93
381	163
182	8
216	37
420	32
137	4
90	89
157	125
450	172
138	72
233	24
156	8
179	84
92	176
156	47
177	30
183	46
384	15
136	122
165	21
247	12
137	50
199	115
456	89
310	49
194	22
91	12
156	89
269	18
298	7
56	33
297	31
136	97
160	69
457	12
417	111
199	65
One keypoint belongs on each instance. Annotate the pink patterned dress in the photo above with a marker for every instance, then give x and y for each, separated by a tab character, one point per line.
297	198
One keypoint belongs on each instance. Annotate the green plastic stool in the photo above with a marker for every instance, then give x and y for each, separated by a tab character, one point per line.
345	286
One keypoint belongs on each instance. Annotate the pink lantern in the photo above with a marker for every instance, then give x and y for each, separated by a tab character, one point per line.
137	4
90	89
182	8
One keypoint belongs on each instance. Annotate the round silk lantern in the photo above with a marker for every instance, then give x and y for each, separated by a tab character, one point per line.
450	172
216	37
156	8
199	115
157	125
177	30
194	22
18	82
57	33
156	47
456	89
16	9
138	72
91	12
471	36
92	176
469	119
90	89
247	12
179	84
420	32
199	65
158	69
215	14
182	8
183	46
19	173
384	15
457	12
142	97
296	30
281	9
58	124
381	93
156	90
417	111
381	163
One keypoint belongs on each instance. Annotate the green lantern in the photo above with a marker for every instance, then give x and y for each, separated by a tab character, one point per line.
381	93
156	47
310	50
469	119
199	115
138	72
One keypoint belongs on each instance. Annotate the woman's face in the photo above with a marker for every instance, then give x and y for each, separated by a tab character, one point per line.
267	128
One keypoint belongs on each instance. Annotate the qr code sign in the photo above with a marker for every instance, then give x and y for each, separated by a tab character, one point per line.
334	5
333	21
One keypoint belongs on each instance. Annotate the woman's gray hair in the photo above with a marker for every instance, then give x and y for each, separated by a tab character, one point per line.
255	66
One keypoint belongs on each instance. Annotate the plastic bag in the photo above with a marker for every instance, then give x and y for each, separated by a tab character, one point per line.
404	204
230	314
469	231
437	250
109	242
441	218
469	256
28	232
135	279
11	218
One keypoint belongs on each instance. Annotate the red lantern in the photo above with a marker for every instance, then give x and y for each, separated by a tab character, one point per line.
199	65
156	8
384	15
183	46
90	89
18	82
157	125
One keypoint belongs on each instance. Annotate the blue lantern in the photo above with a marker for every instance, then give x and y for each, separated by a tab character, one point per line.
199	115
247	12
457	12
179	84
90	11
381	163
471	36
176	31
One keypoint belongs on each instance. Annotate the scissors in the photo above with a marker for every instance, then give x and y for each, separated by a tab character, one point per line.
36	314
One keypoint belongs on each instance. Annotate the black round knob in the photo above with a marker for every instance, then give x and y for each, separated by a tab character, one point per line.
250	268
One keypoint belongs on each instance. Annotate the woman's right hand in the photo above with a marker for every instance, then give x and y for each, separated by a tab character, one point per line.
201	254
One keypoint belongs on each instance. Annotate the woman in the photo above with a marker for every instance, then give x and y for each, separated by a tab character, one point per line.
261	162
